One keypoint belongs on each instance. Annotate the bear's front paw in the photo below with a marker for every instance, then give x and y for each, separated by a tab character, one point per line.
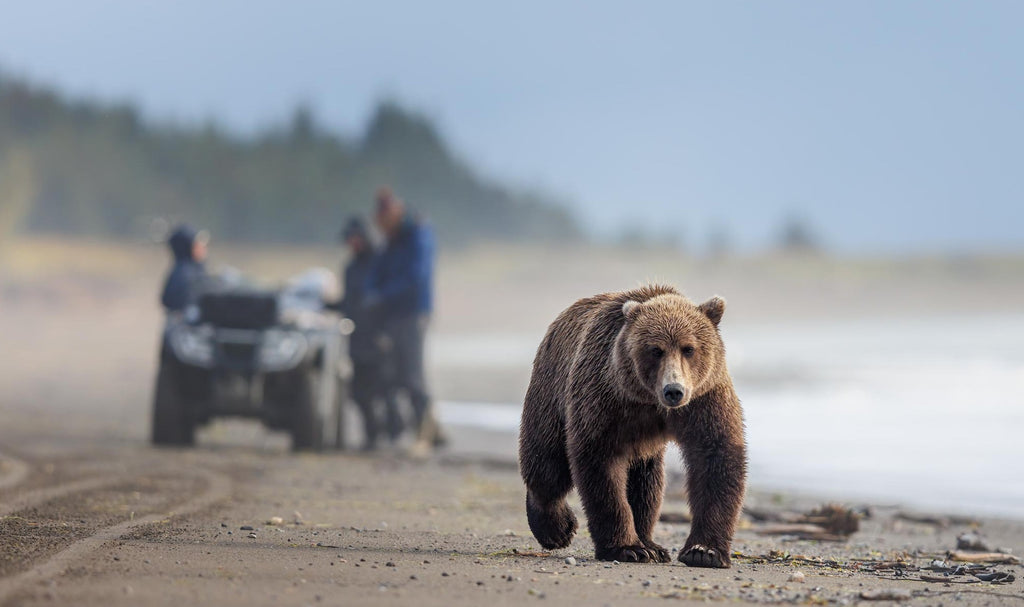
699	555
660	552
629	554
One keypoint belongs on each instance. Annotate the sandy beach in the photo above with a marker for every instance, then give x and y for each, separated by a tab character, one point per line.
91	515
199	527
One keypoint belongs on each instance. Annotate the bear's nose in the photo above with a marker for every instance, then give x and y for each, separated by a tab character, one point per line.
674	393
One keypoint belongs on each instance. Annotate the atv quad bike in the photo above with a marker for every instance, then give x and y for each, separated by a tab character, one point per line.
271	355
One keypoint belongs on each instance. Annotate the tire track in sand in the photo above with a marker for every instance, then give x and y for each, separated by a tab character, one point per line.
38	496
218	488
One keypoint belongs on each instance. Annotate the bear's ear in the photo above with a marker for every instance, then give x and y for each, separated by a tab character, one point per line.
630	309
713	309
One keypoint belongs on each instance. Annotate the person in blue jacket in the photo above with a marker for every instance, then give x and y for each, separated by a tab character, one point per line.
400	291
188	247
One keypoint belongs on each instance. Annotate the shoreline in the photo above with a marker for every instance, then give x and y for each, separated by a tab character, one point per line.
471	444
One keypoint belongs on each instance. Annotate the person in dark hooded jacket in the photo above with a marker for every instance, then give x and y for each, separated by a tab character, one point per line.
189	250
369	361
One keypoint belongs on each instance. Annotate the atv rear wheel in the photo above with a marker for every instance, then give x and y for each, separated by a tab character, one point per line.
306	421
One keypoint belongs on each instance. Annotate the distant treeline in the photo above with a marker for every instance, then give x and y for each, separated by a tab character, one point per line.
87	168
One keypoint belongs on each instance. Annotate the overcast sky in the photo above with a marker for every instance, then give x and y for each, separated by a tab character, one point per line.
887	125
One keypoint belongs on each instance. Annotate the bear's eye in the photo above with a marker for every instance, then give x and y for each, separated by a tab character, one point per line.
689	351
656	352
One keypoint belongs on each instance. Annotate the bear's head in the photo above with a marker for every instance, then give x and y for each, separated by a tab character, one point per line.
673	346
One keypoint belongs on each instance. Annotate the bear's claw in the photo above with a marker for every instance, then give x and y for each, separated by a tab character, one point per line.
703	556
630	554
660	552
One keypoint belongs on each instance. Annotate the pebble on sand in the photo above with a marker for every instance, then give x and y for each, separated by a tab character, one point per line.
570	560
797	576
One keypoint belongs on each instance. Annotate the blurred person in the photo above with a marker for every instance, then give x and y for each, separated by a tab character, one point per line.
189	249
400	290
369	363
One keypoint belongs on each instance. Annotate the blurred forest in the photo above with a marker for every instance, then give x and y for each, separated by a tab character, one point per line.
86	168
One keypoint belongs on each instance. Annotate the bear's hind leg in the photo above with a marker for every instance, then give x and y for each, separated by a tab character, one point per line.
551	521
545	469
645	489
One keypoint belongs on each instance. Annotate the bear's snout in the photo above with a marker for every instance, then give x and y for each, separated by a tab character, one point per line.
674	394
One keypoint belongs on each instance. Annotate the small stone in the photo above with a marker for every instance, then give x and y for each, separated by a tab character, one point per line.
252	536
246	528
797	576
275	521
571	561
645	583
389	564
972	541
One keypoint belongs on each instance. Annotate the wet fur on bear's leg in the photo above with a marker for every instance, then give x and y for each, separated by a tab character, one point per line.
553	523
602	486
711	435
544	465
644	490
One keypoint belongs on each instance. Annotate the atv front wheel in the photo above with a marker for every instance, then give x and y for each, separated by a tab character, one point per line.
306	422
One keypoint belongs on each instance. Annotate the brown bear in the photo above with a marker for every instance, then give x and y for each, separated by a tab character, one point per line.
617	376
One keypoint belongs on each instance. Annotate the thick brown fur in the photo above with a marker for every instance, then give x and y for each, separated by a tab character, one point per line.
612	383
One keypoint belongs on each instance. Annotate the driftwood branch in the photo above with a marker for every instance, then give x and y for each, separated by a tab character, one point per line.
984	557
830	523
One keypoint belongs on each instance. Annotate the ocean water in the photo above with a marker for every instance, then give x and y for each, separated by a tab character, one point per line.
924	412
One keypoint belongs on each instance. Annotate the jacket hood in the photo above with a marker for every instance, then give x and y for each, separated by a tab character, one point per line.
181	241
